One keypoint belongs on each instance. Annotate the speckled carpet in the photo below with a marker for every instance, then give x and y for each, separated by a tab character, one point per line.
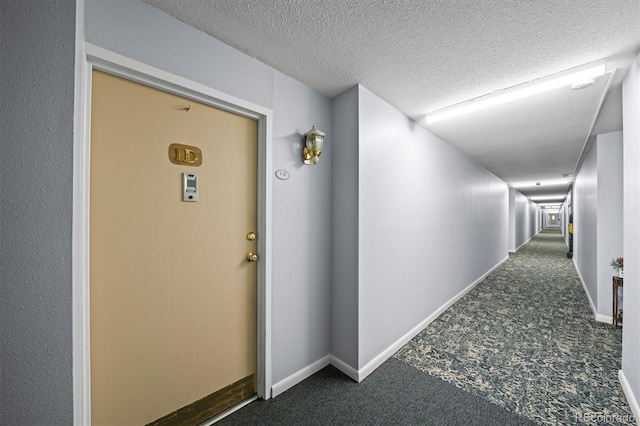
526	339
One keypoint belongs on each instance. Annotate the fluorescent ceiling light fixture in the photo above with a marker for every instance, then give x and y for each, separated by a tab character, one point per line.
565	78
541	183
547	197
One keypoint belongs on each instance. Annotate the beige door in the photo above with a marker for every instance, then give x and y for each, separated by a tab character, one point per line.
173	297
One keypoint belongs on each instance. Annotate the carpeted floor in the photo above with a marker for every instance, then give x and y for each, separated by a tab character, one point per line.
526	339
395	394
522	347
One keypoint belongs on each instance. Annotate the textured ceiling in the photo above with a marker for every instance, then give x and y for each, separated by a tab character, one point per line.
424	55
537	138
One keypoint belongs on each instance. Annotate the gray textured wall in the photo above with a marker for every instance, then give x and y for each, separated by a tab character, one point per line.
36	204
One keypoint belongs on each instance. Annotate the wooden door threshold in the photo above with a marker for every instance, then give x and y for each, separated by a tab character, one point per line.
212	405
229	411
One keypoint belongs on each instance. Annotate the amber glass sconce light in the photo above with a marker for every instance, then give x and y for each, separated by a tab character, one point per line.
313	141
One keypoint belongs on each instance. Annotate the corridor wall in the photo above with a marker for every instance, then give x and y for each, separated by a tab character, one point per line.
565	211
524	220
345	211
585	225
630	373
598	220
610	215
429	223
512	220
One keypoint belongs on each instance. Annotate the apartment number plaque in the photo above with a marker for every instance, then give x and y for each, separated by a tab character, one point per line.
185	155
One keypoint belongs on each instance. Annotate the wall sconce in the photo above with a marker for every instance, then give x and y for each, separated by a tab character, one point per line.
313	141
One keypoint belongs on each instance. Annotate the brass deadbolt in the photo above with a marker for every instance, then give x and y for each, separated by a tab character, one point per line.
251	236
252	257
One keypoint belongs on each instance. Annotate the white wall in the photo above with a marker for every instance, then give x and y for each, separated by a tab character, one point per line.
139	31
301	279
344	235
598	220
512	220
37	57
630	375
610	194
526	221
585	224
430	223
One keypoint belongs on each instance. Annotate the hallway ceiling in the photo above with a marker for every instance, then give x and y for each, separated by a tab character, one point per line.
424	55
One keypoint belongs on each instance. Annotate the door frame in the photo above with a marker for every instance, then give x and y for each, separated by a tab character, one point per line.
97	58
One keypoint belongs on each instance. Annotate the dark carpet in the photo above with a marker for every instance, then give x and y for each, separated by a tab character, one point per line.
395	394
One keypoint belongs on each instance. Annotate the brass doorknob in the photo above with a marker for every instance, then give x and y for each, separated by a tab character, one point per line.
251	236
252	257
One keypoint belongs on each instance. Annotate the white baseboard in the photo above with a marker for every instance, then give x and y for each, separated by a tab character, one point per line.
521	245
598	317
299	376
345	368
376	362
387	353
604	318
584	287
631	398
361	374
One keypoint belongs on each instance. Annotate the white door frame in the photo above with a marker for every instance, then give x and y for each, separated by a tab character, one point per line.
101	59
